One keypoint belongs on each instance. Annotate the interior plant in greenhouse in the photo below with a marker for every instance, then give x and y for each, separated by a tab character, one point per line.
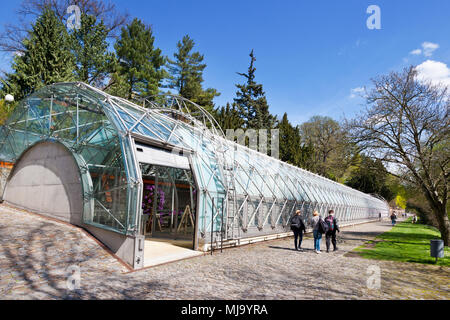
148	202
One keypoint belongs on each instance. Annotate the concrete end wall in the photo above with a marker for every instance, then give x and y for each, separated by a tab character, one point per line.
47	180
4	174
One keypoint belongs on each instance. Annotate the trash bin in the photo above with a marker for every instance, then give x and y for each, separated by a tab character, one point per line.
437	248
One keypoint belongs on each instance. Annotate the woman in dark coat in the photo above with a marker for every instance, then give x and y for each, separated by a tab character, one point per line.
298	227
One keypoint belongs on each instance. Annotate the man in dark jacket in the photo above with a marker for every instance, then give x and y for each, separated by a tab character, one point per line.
298	227
333	226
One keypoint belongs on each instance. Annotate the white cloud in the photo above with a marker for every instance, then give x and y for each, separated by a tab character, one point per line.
434	71
356	91
427	49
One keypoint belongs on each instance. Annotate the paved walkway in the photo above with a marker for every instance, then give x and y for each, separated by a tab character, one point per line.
160	252
36	255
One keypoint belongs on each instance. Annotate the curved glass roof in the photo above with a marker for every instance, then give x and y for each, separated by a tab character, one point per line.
101	129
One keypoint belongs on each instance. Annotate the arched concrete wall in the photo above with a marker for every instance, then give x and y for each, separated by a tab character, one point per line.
46	180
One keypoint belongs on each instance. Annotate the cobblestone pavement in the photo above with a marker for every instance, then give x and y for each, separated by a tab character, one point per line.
36	255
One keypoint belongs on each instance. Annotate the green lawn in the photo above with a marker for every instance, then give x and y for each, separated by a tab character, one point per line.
405	242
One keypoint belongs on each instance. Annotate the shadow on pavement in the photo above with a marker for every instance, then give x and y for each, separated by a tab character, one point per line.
37	263
290	249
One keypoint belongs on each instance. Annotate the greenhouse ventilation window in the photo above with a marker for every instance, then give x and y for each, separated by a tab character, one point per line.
156	156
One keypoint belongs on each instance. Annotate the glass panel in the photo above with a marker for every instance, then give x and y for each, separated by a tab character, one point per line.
74	116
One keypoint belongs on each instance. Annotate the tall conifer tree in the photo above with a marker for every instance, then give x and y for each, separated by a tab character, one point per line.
186	75
289	141
251	101
46	58
228	117
93	62
139	69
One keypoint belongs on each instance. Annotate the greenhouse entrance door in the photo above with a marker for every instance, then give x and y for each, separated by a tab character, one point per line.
169	197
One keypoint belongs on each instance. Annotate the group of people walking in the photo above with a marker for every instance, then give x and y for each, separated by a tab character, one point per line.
328	226
404	215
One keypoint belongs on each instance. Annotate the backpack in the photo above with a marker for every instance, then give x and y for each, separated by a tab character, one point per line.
330	222
323	226
296	222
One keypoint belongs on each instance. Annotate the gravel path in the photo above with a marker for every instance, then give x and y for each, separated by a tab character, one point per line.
35	255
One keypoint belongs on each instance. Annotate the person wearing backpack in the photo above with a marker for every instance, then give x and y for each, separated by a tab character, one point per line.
298	227
319	228
393	218
333	226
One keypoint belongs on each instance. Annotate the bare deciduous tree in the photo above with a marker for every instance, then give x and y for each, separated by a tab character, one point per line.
11	40
332	152
406	124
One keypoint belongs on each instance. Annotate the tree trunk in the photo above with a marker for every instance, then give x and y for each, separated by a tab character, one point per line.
439	210
443	224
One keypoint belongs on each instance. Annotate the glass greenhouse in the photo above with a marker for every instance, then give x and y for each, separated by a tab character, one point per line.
161	168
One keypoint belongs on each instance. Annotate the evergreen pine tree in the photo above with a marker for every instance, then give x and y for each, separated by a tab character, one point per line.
370	176
307	155
139	68
5	111
46	59
228	117
186	75
251	101
289	142
93	62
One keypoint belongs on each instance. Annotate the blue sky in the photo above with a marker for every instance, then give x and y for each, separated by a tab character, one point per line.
310	54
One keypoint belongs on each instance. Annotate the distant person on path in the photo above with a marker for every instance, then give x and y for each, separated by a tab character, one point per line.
414	220
379	216
393	218
298	227
333	226
315	221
